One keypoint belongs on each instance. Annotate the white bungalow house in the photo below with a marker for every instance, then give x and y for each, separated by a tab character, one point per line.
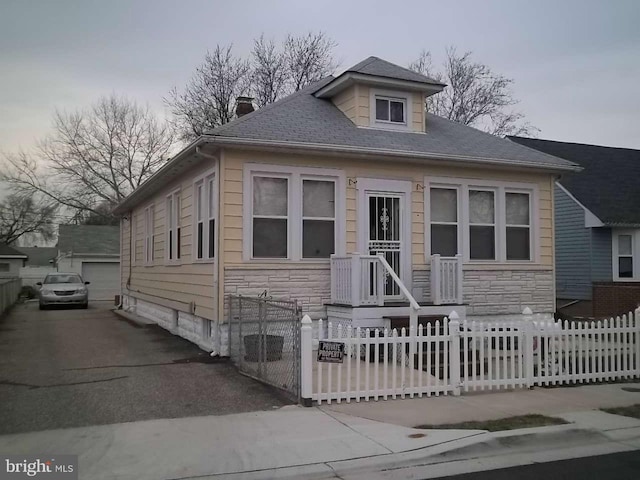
350	198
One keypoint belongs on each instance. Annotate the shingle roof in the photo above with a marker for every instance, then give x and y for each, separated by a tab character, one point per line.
89	239
39	256
303	118
6	250
381	68
608	185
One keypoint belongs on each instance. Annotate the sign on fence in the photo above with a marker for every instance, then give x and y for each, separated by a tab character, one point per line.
330	352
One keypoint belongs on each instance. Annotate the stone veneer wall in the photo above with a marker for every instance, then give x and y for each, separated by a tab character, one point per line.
497	292
508	292
309	286
198	330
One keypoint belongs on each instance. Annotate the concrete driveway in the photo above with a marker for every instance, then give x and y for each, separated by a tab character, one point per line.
71	368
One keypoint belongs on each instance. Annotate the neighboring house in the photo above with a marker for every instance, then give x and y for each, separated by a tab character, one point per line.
293	201
11	261
94	252
597	220
41	261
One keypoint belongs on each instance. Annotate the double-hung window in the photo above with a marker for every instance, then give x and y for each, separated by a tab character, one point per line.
205	200
482	220
292	214
626	262
444	221
482	225
318	218
173	215
518	225
149	237
270	217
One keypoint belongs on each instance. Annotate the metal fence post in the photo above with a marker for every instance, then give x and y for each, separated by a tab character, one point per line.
528	345
306	361
454	353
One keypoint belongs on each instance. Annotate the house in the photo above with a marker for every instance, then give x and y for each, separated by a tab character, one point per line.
40	262
94	252
597	221
348	198
11	261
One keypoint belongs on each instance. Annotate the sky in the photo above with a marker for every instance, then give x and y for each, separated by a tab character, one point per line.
575	64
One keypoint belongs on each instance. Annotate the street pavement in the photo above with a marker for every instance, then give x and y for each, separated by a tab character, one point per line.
72	367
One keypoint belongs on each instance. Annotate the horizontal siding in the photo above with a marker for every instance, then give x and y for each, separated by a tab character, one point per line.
573	249
362	106
346	102
176	285
234	162
418	108
601	261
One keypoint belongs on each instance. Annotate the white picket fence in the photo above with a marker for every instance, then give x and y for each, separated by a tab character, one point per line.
449	358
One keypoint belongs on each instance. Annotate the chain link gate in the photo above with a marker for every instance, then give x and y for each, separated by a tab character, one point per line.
264	340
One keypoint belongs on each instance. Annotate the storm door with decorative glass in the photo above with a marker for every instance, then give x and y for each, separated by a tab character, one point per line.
385	235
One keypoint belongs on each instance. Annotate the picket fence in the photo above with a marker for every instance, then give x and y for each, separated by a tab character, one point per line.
448	357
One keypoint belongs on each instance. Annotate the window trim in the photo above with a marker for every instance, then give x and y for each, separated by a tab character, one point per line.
295	176
134	240
529	226
149	228
392	95
172	236
635	254
500	188
204	179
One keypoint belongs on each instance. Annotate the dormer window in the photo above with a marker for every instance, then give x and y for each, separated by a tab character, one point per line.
392	110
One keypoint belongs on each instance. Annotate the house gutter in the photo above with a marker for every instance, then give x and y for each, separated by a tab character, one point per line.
408	155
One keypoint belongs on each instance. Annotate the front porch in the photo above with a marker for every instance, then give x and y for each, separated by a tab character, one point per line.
367	292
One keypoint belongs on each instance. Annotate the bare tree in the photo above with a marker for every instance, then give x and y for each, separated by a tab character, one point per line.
94	157
270	73
474	95
308	58
208	100
23	214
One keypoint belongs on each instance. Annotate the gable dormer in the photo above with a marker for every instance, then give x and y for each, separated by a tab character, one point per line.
378	94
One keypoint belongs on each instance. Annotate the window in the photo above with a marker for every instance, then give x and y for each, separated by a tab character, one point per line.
149	236
205	199
390	110
482	225
444	221
270	217
173	226
318	218
518	229
293	212
481	220
625	256
134	231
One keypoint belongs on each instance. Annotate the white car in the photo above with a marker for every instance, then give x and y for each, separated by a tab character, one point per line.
63	289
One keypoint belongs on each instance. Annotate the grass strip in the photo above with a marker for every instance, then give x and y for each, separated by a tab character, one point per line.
509	423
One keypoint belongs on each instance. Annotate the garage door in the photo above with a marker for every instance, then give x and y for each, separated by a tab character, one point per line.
104	278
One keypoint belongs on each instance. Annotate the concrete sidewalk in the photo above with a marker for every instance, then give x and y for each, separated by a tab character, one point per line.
318	443
482	406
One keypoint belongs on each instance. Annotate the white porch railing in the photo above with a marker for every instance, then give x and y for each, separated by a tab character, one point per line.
359	280
446	280
453	358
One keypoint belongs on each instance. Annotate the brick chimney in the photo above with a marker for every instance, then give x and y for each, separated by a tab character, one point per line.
244	105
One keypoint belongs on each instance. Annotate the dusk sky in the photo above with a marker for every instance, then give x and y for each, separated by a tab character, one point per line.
576	64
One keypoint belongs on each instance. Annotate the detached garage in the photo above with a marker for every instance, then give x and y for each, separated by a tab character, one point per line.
104	279
94	252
